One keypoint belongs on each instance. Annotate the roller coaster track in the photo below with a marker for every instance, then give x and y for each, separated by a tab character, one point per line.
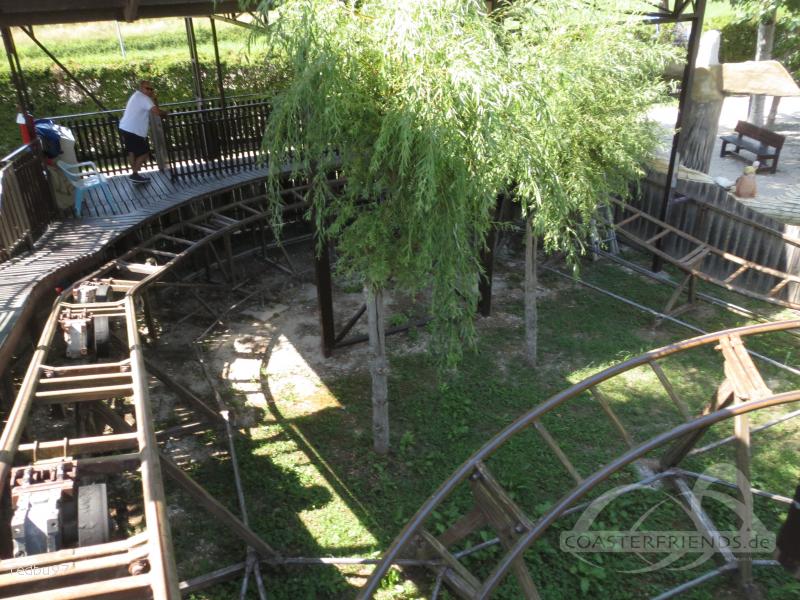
142	565
502	521
692	262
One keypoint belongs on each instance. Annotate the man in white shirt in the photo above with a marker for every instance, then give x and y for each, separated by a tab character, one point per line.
134	125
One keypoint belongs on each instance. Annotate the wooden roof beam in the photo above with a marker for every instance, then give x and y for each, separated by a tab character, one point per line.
131	10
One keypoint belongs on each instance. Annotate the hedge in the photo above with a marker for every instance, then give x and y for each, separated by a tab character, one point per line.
53	94
739	41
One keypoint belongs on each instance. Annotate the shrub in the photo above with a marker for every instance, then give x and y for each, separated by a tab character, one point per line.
739	41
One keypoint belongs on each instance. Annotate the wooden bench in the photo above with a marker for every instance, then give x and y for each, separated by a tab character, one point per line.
765	144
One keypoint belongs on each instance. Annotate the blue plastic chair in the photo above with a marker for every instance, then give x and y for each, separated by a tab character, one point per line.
85	176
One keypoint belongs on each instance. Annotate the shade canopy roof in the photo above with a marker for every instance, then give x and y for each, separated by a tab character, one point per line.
52	12
767	77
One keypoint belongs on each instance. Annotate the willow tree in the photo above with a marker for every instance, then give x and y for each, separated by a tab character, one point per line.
430	109
586	75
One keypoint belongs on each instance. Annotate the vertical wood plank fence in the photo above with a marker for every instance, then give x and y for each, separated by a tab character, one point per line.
707	212
27	206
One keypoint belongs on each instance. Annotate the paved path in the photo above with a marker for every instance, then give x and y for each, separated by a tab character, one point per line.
735	109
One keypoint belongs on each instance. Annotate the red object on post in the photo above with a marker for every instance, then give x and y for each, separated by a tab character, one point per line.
26	130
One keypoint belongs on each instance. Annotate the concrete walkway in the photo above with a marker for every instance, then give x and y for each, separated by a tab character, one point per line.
735	109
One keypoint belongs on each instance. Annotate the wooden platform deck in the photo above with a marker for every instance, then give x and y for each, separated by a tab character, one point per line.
73	245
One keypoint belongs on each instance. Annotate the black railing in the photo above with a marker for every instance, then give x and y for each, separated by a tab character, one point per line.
216	139
27	206
97	135
97	139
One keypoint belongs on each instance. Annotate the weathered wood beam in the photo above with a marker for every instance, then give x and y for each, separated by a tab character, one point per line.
131	10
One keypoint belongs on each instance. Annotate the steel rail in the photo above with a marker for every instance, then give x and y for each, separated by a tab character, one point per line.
730	306
467	468
670	318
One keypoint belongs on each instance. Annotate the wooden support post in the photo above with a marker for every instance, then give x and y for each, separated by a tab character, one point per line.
7	392
207	266
229	256
612	416
741	430
219	262
148	318
531	309
197	81
217	64
678	451
322	272
683	104
506	519
17	77
487	262
379	370
673	395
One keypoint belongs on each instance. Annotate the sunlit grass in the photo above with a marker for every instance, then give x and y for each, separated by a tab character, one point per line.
320	490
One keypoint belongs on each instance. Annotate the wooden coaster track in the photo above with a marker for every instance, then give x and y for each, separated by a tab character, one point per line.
692	262
142	565
742	390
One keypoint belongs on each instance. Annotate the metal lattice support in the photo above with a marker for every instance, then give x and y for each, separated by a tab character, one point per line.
742	391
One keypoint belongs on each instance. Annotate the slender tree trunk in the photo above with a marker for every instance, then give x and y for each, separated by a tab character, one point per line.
773	111
379	370
764	45
531	310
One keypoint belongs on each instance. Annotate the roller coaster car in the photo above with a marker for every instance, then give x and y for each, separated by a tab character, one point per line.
51	511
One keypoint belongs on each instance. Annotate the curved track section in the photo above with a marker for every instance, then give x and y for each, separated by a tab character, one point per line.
694	264
741	390
142	565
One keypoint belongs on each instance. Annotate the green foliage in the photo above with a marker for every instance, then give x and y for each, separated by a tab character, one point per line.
432	109
97	64
739	40
587	78
763	10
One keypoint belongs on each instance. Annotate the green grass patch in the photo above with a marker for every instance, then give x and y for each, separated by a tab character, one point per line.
315	487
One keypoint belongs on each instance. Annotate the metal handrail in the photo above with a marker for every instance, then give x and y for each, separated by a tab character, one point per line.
163	105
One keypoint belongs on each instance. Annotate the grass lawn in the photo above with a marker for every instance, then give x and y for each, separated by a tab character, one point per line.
146	40
315	488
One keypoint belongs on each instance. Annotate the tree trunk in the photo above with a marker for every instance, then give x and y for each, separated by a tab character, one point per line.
698	136
531	310
698	139
773	111
764	45
379	370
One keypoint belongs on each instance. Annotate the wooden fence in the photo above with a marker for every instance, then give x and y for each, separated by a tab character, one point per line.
27	206
707	212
